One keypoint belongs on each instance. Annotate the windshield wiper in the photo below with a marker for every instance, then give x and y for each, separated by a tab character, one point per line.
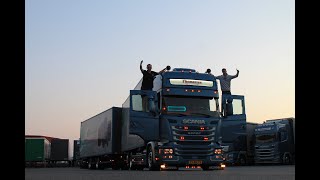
197	113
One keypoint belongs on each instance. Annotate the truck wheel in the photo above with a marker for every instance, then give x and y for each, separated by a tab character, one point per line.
150	161
242	161
286	159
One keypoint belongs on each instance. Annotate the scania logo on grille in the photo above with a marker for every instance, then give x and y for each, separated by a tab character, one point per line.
193	121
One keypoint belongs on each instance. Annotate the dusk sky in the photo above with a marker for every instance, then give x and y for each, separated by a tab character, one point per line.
82	57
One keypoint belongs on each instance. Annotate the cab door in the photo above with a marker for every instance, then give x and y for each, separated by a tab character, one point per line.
144	122
233	129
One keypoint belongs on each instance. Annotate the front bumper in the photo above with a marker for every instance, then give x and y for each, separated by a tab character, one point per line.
180	161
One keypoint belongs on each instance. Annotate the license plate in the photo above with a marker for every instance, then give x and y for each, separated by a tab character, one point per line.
195	162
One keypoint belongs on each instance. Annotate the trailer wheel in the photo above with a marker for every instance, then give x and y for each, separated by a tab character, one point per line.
150	160
126	163
99	166
131	166
90	166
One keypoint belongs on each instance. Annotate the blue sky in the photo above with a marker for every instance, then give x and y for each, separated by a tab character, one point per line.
82	57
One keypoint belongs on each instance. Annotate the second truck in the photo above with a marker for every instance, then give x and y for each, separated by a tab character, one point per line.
275	141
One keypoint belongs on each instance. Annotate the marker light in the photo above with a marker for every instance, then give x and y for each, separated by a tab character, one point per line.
168	90
182	138
205	138
185	128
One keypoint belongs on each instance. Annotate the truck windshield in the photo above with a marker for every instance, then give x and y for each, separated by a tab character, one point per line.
190	106
263	138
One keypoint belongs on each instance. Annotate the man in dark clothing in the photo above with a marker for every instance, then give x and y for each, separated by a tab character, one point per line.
147	82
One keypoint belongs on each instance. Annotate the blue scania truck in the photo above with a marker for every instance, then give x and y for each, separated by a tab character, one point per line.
275	141
181	127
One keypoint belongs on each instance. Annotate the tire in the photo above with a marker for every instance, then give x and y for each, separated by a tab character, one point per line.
90	166
286	159
99	166
242	161
126	165
150	161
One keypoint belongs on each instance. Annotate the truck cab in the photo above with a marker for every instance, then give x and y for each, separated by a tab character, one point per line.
181	126
275	142
234	130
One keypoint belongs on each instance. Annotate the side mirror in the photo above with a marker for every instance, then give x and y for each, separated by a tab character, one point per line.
168	68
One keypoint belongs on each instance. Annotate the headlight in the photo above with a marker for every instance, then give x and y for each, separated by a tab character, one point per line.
218	151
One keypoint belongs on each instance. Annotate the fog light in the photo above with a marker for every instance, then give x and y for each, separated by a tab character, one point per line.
218	151
168	151
163	166
223	165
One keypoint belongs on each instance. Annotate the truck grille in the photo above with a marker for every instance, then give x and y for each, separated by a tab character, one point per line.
265	154
193	141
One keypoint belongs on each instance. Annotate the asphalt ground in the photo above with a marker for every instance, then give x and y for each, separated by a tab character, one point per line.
273	172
